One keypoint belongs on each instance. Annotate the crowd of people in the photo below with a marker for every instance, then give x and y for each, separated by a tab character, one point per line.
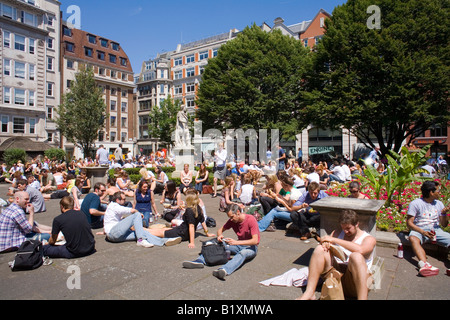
254	196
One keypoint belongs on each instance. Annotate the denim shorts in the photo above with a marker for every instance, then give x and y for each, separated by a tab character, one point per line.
442	237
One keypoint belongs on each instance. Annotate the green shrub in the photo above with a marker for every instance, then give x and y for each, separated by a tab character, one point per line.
55	154
11	156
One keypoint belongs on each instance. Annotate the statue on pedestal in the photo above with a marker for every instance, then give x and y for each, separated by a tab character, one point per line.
182	134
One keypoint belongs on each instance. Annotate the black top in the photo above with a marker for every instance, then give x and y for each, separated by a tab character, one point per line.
77	232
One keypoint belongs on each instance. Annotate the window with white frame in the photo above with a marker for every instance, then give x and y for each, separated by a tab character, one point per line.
19	96
19	42
50	43
49	137
7	67
178	62
31	71
124	107
190	103
190	87
5	124
124	137
203	55
190	72
124	122
50	63
49	89
29	19
19	70
6	95
112	136
32	126
215	52
112	121
31	98
113	105
9	12
6	39
49	113
178	74
31	47
178	89
190	58
18	125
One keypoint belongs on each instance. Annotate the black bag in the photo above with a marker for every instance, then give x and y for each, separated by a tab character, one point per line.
30	256
210	222
214	253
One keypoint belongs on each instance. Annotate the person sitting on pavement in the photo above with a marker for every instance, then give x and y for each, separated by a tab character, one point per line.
287	197
247	194
336	173
243	249
36	197
76	231
186	179
48	181
144	202
92	206
15	228
303	215
358	252
425	217
192	216
125	224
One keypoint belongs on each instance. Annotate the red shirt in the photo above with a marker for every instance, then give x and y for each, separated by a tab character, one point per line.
244	230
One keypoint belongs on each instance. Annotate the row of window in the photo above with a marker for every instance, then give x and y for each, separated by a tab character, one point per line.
189	72
191	58
112	136
93	39
89	52
18	15
18	42
18	125
24	70
19	97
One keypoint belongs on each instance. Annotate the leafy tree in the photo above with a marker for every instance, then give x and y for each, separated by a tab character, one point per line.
389	83
82	112
254	82
164	119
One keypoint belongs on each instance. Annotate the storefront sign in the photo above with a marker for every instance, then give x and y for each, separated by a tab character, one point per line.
320	150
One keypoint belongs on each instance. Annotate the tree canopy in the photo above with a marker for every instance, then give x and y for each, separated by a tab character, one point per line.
254	82
82	112
390	83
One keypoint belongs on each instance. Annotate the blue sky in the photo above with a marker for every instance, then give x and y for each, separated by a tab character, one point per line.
147	27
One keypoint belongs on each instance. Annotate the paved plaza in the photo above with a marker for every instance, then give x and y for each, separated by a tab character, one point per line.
127	272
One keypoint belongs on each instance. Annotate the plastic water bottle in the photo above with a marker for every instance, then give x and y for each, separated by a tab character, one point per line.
150	220
400	251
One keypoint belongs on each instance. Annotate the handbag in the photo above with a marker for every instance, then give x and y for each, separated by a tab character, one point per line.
214	253
207	189
332	287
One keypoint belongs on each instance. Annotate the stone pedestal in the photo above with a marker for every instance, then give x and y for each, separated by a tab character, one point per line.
331	207
97	174
183	155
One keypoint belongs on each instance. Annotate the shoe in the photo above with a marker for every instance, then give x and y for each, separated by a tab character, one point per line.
305	236
144	243
220	274
172	241
428	270
197	264
214	196
271	229
448	272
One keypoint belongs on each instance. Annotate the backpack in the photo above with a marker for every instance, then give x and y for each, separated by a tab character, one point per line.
30	256
214	253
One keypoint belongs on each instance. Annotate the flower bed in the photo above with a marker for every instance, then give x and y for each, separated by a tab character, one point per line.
393	217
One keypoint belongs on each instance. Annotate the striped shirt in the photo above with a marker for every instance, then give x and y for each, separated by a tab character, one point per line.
14	226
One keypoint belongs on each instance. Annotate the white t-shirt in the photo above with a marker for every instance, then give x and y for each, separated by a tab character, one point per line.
113	215
339	172
313	177
426	214
247	193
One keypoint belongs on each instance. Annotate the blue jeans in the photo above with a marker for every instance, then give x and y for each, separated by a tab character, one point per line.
264	223
122	231
241	255
146	219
